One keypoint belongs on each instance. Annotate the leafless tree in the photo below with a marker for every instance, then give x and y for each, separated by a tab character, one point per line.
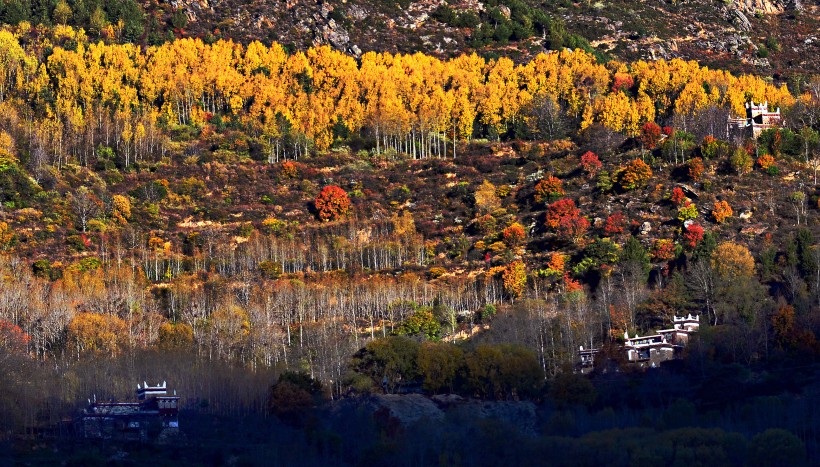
86	205
548	117
700	279
710	121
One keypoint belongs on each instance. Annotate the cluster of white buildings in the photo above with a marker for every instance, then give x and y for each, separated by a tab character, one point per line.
650	350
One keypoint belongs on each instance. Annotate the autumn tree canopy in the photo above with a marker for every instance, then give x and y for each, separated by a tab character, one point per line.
332	203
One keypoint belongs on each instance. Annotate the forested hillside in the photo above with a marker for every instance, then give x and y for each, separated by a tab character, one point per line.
226	212
776	38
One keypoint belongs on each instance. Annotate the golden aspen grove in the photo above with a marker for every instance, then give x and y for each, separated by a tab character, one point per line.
69	101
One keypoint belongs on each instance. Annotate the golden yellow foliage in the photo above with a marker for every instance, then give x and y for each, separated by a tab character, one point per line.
486	199
95	332
730	261
6	235
175	335
515	278
121	210
306	95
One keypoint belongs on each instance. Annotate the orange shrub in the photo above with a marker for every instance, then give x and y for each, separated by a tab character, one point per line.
722	211
289	169
636	173
696	168
557	262
663	250
548	189
332	203
514	235
765	162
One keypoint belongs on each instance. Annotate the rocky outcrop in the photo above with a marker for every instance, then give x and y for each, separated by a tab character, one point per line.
327	31
192	8
740	20
519	413
769	7
408	409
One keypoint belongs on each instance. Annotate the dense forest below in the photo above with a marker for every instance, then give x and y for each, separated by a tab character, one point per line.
280	233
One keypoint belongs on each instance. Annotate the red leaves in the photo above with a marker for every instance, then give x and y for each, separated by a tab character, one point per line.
332	203
650	135
565	218
614	224
560	210
572	228
12	337
590	163
678	197
622	82
693	236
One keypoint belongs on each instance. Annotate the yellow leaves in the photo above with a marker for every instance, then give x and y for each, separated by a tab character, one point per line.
159	245
121	210
731	261
514	278
7	157
15	65
175	336
6	236
231	323
94	332
303	95
691	99
486	199
617	112
501	99
403	225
